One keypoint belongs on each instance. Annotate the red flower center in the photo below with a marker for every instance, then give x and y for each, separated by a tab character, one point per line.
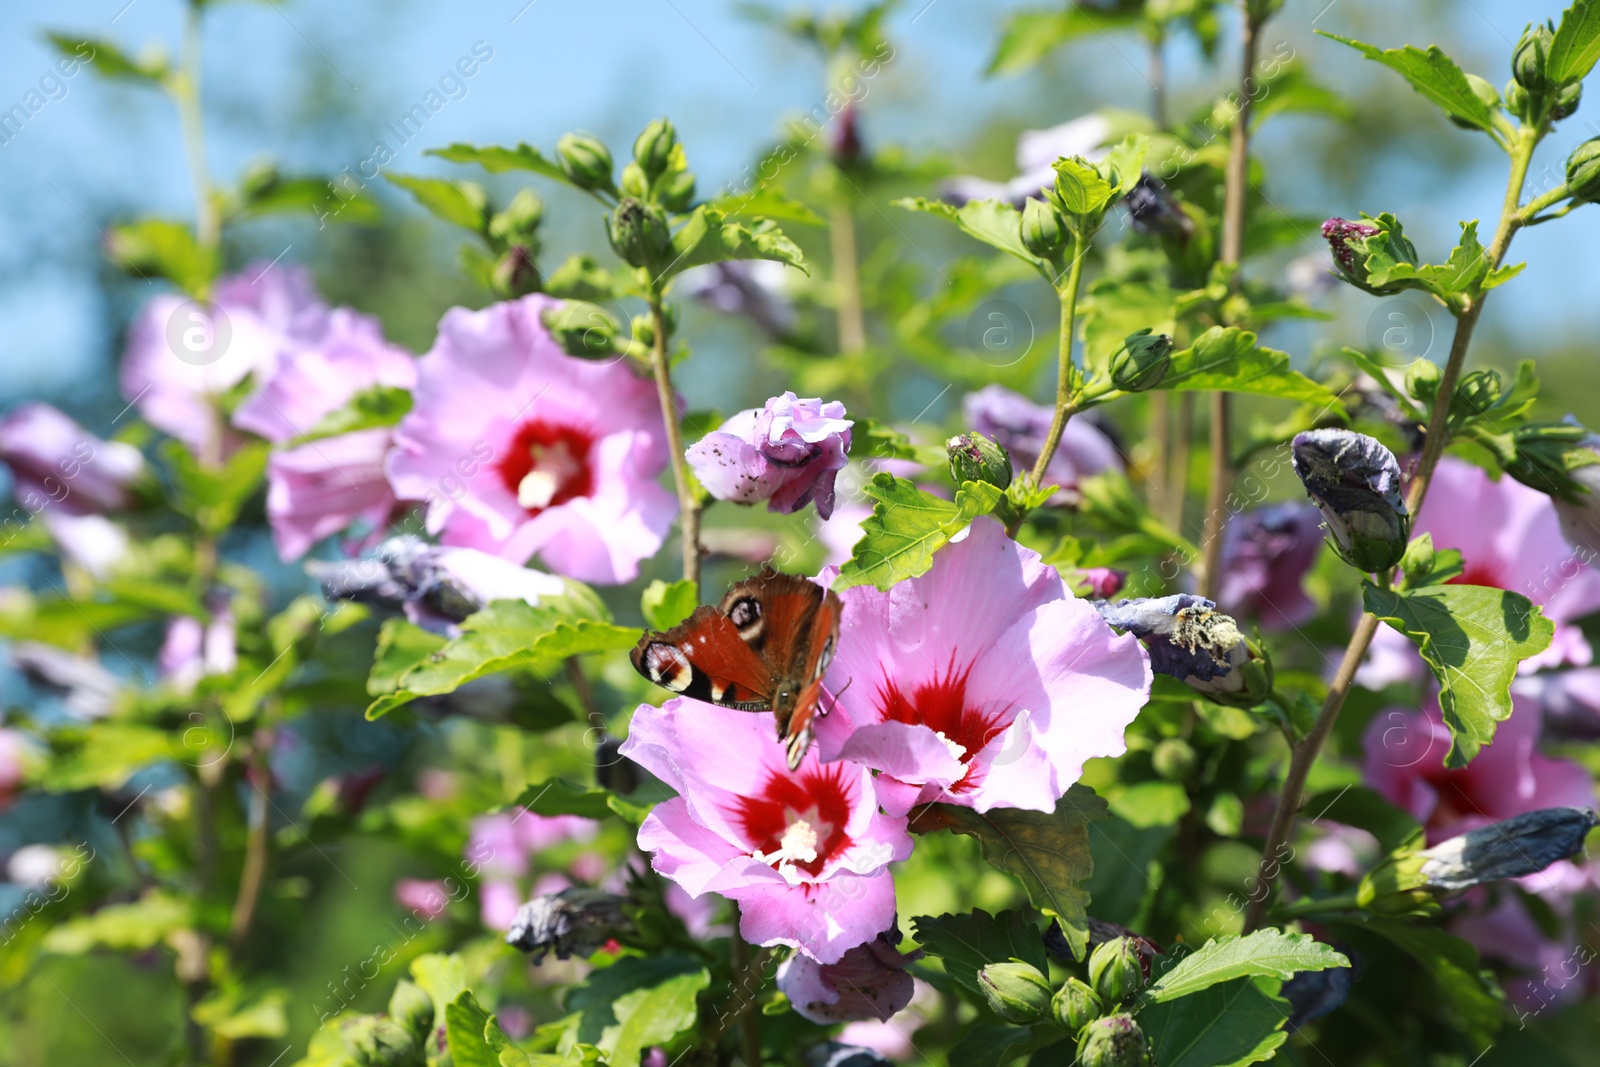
941	705
1479	573
798	819
547	465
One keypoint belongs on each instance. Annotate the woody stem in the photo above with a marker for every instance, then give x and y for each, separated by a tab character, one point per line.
688	507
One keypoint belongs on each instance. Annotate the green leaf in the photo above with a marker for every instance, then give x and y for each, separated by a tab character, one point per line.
164	249
653	1016
765	201
373	408
1227	1025
1473	637
1147	804
506	635
1577	43
993	222
464	1024
106	755
401	646
1434	75
1048	852
1029	36
214	495
234	1015
270	193
969	942
133	927
708	238
666	604
989	1045
1227	359
109	61
561	797
1268	953
906	527
1464	274
496	159
871	441
1468	993
462	203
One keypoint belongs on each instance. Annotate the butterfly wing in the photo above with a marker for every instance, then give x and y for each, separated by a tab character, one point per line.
706	658
811	664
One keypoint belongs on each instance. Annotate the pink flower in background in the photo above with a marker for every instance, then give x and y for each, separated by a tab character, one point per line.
1405	753
14	751
322	487
181	358
1509	537
787	454
56	463
983	682
93	542
805	854
1266	554
498	901
427	898
194	650
504	843
518	448
1021	426
869	982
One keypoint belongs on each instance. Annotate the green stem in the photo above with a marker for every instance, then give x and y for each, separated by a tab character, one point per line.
688	509
1066	373
846	276
186	90
1305	753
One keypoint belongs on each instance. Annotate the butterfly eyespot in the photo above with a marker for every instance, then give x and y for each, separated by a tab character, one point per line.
668	667
745	614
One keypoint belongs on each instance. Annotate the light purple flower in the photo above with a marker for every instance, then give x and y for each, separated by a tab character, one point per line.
983	682
194	650
805	854
15	752
788	454
505	842
1266	554
93	542
1021	426
749	287
517	448
268	309
62	465
426	898
869	982
1037	151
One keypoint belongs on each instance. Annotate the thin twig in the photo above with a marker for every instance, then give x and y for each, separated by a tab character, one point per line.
846	277
688	509
254	874
1066	382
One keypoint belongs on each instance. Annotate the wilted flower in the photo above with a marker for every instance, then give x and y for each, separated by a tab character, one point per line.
1339	233
56	463
753	288
1037	151
982	683
1154	210
869	982
573	922
517	448
1521	845
1189	639
182	357
1021	427
1313	994
804	854
1355	481
1580	519
436	586
1266	554
787	453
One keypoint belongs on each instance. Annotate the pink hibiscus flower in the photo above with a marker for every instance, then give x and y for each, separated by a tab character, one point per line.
518	448
57	463
181	358
987	662
1509	536
869	982
787	453
805	854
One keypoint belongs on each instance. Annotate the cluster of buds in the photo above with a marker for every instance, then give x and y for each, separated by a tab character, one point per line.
398	1038
1093	1010
1535	91
1189	639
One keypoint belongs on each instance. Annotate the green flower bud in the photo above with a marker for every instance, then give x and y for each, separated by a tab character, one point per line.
585	161
1174	759
1016	991
518	224
1116	969
1531	58
411	1008
376	1041
639	233
1583	171
1484	91
585	330
1142	362
1075	1005
515	273
1516	98
1042	232
634	182
1567	100
653	149
677	192
976	458
1115	1041
1422	381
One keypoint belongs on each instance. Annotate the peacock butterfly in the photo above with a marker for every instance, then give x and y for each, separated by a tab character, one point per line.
764	648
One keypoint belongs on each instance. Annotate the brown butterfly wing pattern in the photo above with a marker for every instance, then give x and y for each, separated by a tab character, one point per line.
766	647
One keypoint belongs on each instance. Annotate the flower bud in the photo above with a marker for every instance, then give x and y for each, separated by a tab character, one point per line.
1522	845
411	1008
1531	58
575	921
376	1041
1042	232
634	182
1355	482
585	330
1484	91
1567	100
653	148
976	458
518	223
1075	1005
515	273
1174	759
1115	1041
639	233
1016	991
1142	361
585	161
677	192
1189	639
1116	970
1516	98
1351	261
1583	171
